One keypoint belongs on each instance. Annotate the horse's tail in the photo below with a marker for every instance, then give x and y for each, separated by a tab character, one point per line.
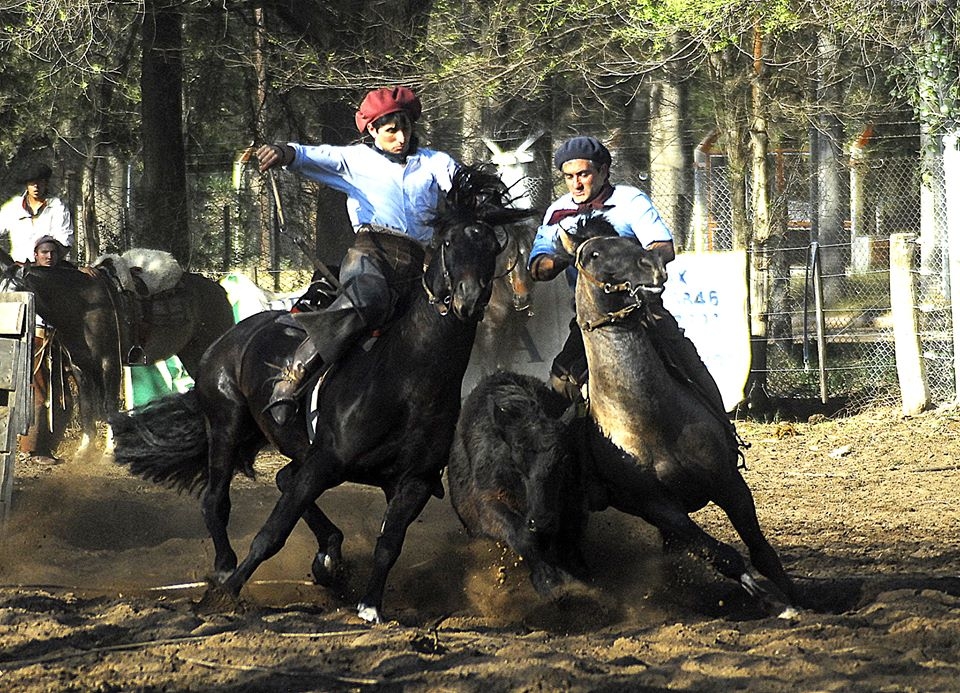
164	441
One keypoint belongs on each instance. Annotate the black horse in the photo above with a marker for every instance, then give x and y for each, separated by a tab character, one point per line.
658	450
514	475
94	325
386	415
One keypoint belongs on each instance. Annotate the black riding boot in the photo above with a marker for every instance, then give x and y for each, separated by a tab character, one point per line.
329	334
568	374
283	402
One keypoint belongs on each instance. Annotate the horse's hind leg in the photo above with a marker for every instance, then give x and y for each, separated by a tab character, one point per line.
327	565
226	455
737	502
311	479
679	531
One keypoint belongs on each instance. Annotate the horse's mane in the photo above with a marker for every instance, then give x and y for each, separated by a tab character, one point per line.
593	226
478	194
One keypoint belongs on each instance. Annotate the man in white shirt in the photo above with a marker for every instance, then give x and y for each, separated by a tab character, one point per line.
33	214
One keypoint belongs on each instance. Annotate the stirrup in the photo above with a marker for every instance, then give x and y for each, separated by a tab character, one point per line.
136	356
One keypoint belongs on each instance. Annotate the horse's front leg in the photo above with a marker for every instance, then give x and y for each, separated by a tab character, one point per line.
403	507
327	567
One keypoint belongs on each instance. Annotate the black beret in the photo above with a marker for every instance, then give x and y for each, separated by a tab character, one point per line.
588	148
35	172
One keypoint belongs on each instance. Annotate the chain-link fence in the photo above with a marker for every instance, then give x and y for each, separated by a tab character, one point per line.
829	329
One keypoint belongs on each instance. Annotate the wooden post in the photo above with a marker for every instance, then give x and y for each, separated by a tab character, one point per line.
16	360
951	178
914	393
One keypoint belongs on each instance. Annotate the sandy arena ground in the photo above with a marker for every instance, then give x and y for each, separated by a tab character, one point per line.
98	577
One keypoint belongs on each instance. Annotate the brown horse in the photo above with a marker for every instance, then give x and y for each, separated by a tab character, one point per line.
96	328
504	327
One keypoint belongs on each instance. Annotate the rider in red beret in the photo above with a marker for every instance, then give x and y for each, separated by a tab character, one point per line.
381	102
394	188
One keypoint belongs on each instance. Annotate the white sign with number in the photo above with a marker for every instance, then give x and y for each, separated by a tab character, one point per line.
707	293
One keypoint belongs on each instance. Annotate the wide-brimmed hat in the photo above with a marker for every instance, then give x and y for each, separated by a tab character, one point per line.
584	147
34	172
381	102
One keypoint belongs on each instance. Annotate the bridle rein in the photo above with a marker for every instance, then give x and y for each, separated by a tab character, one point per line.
636	293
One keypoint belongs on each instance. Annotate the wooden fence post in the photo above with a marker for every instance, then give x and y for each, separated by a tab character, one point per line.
951	178
17	319
914	393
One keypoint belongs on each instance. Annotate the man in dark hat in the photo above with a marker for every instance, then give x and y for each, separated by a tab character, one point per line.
394	188
48	251
33	213
584	163
52	401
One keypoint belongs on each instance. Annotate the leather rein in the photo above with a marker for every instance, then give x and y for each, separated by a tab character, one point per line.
442	303
636	293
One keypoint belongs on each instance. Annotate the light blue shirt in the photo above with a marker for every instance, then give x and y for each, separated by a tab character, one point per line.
404	197
628	209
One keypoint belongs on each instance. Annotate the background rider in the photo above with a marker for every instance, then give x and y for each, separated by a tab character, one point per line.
584	163
33	213
52	399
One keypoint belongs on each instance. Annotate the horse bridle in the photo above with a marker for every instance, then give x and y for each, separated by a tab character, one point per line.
443	302
637	293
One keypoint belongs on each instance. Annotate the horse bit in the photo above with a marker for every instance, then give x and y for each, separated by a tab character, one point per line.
635	292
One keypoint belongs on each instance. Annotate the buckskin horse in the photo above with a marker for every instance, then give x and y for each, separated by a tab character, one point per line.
94	326
386	415
658	450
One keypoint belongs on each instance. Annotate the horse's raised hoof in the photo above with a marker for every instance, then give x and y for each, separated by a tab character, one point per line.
370	614
326	570
217	600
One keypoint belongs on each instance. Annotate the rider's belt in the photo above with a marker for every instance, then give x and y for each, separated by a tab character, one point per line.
379	228
396	248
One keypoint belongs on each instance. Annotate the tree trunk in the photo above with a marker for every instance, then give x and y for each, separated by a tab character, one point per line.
164	186
670	180
830	177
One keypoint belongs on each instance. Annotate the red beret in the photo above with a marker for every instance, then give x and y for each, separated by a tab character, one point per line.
380	102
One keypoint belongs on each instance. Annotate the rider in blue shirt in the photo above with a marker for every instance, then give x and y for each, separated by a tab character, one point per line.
585	165
394	188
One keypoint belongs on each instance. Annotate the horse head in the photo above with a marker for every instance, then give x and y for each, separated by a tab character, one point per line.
617	275
514	272
467	240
